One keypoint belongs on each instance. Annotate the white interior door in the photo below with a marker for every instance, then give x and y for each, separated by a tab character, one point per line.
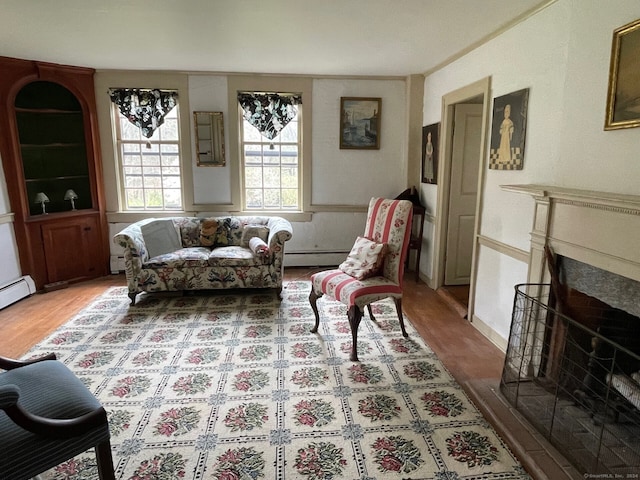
465	160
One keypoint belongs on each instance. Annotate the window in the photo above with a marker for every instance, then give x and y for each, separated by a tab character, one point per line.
150	168
271	172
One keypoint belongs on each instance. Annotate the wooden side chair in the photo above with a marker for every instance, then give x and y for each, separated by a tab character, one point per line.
388	223
48	416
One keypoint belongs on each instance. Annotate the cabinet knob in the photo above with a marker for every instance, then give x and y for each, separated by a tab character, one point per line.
86	229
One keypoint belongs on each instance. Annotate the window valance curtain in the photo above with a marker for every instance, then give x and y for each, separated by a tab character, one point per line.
144	108
269	112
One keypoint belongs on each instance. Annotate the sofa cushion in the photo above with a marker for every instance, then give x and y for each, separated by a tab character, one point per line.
250	231
181	258
235	256
160	237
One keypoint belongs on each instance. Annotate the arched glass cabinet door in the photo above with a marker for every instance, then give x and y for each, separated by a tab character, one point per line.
53	148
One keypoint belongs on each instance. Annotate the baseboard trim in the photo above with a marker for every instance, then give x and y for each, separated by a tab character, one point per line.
490	333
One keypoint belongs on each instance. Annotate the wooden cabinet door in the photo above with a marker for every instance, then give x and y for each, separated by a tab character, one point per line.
68	249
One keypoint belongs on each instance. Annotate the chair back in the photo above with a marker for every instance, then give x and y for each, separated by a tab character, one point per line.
389	221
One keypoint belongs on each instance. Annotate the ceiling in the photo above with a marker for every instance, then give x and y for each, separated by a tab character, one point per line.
320	37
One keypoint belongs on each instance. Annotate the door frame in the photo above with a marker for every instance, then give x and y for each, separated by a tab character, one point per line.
481	88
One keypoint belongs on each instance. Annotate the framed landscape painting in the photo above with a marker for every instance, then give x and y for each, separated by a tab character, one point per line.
508	130
360	123
623	99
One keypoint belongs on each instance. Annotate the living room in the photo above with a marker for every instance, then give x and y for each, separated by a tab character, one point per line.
564	130
560	51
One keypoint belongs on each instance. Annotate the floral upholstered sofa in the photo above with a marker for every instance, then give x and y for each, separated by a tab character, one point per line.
193	253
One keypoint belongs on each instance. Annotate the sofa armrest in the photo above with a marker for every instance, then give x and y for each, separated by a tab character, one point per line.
280	231
134	250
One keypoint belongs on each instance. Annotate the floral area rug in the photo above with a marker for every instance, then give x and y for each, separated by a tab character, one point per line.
235	387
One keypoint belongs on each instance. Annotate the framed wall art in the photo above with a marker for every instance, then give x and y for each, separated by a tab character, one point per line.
360	122
623	99
508	129
430	139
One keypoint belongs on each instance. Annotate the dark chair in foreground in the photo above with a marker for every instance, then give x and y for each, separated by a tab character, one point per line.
388	223
48	416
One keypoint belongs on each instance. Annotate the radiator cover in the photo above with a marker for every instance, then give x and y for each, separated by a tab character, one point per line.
16	290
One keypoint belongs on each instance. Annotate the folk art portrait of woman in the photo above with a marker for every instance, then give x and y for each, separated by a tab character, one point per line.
430	134
508	131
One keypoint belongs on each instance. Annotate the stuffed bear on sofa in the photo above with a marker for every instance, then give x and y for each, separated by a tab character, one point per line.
193	253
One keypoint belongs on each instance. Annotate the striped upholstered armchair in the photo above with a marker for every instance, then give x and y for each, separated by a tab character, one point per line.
48	416
374	268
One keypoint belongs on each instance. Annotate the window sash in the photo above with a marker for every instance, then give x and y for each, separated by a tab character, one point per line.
271	169
150	169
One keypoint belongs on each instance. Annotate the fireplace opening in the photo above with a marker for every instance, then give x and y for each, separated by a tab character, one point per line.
572	366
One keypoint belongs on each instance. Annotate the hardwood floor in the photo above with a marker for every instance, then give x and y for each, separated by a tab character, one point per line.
464	351
474	362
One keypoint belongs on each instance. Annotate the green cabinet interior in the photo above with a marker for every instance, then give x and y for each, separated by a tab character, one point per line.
53	147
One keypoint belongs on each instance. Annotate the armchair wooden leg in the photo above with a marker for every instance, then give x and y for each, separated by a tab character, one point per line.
355	315
105	461
132	296
371	312
313	298
398	302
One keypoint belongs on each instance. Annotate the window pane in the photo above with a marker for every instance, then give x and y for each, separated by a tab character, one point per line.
172	199
153	197
152	182
253	177
169	130
135	199
128	130
250	133
290	132
132	171
289	198
272	198
271	177
289	177
171	182
133	182
254	198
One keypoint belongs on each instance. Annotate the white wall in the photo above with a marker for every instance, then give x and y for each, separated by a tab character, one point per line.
342	180
210	184
352	177
562	55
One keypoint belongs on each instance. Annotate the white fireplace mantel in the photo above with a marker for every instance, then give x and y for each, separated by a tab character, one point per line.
597	228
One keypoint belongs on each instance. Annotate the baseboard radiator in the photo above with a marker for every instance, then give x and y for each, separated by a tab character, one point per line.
16	290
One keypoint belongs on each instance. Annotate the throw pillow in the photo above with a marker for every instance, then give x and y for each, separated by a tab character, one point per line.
160	237
213	233
259	247
251	231
365	259
208	232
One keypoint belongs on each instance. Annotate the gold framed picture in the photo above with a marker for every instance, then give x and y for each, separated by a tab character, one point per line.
623	99
360	123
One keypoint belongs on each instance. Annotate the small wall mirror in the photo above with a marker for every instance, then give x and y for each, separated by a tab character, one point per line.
209	128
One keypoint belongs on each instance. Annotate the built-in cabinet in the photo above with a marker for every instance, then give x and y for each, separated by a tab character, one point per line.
51	158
